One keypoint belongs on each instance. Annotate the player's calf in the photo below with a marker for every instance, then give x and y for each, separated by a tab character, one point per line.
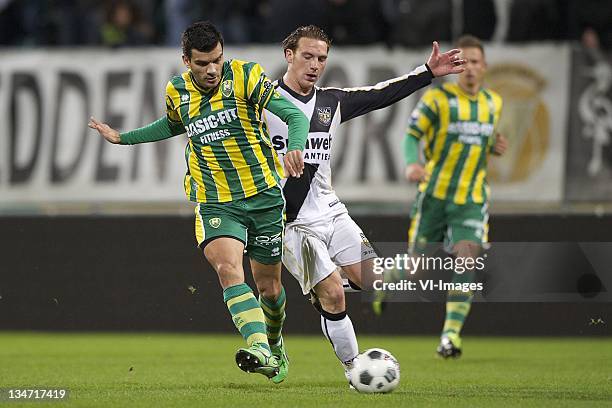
335	323
330	293
274	313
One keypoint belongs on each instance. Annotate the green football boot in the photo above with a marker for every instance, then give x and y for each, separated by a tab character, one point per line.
256	359
280	353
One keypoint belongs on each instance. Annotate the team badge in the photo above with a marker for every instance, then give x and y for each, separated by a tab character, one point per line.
184	98
215	222
324	115
227	87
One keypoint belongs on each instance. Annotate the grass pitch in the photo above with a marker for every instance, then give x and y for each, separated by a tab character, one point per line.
184	370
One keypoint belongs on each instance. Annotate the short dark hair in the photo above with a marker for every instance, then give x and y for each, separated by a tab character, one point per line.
469	41
203	36
309	31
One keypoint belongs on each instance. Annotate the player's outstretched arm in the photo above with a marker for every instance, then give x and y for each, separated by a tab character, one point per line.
355	102
161	129
105	131
445	63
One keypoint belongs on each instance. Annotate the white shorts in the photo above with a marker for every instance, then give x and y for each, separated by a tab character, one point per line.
312	253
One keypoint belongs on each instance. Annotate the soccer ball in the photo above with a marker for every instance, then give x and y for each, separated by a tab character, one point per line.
375	370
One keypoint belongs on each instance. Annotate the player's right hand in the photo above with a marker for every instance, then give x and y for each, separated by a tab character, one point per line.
104	130
415	173
294	163
501	145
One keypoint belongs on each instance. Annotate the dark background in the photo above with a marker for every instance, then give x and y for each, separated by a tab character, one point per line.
135	273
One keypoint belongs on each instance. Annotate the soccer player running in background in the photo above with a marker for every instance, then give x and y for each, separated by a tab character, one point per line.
455	122
233	175
321	239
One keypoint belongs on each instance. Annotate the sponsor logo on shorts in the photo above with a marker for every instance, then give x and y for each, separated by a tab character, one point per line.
365	240
275	251
471	223
334	203
366	249
269	240
215	222
367	253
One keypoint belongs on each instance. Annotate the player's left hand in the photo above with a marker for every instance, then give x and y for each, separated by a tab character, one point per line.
445	63
501	144
294	163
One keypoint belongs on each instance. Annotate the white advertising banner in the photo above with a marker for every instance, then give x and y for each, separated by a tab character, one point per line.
49	155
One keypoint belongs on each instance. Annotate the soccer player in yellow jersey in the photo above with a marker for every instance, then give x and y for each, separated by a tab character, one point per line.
455	123
233	174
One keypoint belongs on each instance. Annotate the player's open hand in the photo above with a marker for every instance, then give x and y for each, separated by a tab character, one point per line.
445	63
294	163
415	173
501	144
105	131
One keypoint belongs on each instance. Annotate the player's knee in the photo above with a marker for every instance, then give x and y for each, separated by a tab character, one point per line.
269	288
467	249
332	299
229	274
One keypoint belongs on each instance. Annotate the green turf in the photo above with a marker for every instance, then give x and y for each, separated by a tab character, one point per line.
154	370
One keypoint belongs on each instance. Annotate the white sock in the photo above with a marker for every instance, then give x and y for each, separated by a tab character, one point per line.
338	329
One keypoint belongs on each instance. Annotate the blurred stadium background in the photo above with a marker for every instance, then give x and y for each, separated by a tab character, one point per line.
100	237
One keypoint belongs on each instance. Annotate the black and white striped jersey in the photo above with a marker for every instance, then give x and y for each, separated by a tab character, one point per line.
311	198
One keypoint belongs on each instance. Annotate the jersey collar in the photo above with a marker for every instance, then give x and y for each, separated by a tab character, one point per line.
301	98
460	91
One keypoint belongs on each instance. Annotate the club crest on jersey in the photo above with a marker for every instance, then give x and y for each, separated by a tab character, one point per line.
215	222
184	98
227	87
324	115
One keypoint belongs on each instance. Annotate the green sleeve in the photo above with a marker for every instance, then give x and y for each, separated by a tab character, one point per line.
161	129
294	118
411	149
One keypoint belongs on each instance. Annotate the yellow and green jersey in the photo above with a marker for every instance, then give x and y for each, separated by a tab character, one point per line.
229	154
457	131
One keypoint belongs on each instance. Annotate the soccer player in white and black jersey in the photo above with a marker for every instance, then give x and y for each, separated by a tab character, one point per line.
321	239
